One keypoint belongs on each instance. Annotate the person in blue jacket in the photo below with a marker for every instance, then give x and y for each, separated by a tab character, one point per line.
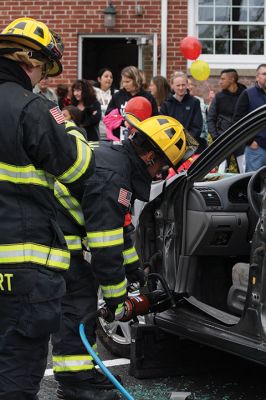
249	100
185	108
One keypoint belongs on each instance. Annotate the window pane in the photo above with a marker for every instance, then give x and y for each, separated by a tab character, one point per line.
239	14
205	14
256	47
222	13
239	47
239	3
256	14
240	31
223	2
256	32
207	46
222	31
205	2
256	3
206	31
222	47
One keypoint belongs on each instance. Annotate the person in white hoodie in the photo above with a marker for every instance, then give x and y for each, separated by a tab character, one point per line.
104	92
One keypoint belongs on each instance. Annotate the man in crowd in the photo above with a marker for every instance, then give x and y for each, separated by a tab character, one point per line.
35	149
220	115
250	99
42	88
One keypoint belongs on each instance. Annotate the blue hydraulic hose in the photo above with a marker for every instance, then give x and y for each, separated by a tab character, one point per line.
101	364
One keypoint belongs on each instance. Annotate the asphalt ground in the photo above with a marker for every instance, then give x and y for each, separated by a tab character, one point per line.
212	376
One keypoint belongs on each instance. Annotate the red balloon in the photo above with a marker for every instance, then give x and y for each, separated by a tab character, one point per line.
190	47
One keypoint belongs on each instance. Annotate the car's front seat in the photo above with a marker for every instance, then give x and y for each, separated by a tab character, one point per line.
238	291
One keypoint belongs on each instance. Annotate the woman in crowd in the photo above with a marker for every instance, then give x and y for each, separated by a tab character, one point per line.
131	83
62	95
160	89
84	97
104	86
204	113
104	90
72	113
185	108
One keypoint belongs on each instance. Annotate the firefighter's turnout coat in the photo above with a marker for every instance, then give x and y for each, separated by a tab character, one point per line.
71	360
120	177
34	150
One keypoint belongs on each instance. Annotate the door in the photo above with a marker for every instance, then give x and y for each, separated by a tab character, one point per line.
116	52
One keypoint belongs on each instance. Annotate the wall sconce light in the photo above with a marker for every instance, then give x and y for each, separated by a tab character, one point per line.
109	16
138	9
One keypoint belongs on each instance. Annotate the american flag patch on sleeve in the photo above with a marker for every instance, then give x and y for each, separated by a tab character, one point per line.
57	114
124	197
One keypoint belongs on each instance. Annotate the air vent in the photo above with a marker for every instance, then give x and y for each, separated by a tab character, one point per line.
211	197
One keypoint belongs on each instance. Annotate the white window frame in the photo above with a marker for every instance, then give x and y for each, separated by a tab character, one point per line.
222	61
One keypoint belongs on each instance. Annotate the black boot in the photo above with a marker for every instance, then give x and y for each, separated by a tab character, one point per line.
94	380
77	393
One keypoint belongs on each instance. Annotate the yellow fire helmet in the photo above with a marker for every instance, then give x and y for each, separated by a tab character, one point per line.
36	36
167	135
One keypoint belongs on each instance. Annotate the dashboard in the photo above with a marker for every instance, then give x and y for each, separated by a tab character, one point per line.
227	194
219	220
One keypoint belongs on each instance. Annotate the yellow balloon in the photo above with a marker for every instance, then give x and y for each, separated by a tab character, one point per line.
200	70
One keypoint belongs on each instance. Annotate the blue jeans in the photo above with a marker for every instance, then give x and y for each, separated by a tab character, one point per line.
255	158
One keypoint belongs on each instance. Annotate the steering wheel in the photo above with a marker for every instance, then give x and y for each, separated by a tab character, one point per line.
256	190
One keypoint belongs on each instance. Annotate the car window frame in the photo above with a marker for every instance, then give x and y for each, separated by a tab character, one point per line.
238	134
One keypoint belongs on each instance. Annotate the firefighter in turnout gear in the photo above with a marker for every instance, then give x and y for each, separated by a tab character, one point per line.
124	172
35	149
73	366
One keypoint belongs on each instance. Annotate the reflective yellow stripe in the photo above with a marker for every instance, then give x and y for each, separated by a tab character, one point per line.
69	202
114	291
34	253
113	237
72	363
80	165
94	145
26	175
130	255
72	129
73	242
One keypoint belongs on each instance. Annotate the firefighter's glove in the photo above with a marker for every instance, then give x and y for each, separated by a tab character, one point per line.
136	276
114	312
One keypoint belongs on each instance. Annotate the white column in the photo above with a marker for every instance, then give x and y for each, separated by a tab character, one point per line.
164	15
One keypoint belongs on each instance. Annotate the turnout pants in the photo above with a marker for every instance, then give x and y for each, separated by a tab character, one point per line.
29	312
71	361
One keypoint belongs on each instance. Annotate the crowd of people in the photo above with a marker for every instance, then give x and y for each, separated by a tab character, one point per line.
98	107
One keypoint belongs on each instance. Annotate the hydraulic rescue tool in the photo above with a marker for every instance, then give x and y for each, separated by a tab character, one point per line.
147	301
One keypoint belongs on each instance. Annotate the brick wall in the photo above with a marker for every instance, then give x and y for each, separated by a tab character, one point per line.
70	18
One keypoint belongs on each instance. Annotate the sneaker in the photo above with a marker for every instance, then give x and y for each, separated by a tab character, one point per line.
77	393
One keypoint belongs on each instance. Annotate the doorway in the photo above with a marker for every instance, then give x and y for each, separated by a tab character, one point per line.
116	53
